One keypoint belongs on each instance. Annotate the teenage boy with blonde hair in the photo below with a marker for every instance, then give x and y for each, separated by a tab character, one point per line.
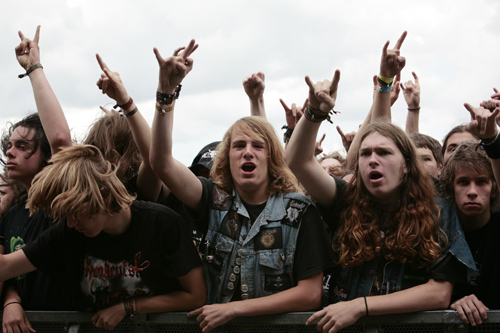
127	256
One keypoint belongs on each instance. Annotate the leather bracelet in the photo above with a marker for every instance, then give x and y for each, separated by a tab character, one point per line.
366	306
415	109
491	147
124	106
130	113
166	99
31	69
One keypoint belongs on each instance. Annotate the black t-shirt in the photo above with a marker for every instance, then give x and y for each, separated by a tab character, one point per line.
485	247
38	291
145	260
313	253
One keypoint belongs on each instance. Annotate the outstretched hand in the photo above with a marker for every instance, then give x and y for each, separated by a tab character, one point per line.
293	114
323	94
110	317
411	91
111	84
483	121
254	85
318	149
392	62
346	138
28	51
175	68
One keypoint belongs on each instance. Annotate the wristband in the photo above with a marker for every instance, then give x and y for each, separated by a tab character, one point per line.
366	306
163	111
387	80
491	147
126	105
130	113
15	302
415	109
31	69
287	134
130	308
166	99
384	89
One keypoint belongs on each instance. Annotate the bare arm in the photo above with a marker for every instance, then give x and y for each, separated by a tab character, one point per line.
14	264
254	86
299	153
306	296
51	114
110	83
175	175
343	314
192	296
14	317
411	91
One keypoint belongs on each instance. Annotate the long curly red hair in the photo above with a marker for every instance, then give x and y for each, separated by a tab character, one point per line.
412	230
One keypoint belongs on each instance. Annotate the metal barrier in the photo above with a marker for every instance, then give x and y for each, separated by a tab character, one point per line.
446	321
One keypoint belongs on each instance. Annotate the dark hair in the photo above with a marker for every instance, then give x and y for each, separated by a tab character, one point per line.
457	129
31	122
424	141
468	156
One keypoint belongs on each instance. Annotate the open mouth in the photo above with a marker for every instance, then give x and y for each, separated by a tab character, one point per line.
248	167
375	175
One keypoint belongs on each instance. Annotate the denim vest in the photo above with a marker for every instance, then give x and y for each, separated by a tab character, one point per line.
260	256
357	281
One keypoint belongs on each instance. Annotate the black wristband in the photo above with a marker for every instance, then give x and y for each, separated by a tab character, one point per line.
492	148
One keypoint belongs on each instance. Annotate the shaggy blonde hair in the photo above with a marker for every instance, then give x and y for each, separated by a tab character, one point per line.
281	177
78	181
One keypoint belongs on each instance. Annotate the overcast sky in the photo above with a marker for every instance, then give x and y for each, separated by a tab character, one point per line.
453	46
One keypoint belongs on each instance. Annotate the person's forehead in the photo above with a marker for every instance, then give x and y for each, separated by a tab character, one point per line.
424	151
22	133
470	173
375	139
240	136
460	137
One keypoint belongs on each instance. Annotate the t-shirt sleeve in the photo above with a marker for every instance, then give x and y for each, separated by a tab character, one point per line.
449	269
201	218
314	252
54	248
331	213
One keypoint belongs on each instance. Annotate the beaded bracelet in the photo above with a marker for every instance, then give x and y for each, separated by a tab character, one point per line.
130	308
162	111
31	69
166	99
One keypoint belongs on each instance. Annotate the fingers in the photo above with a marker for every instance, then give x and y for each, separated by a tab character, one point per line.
158	56
261	76
192	46
37	35
375	81
195	312
322	138
315	316
101	62
21	35
400	41
309	83
415	77
335	82
103	109
340	132
384	50
287	109
177	50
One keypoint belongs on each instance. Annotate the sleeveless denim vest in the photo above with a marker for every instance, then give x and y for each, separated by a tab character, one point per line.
259	256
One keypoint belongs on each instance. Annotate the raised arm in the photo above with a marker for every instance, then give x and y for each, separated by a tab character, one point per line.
483	123
178	178
51	114
299	153
391	65
254	86
411	91
110	83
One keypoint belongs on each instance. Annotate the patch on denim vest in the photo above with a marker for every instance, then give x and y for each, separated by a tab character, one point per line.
231	225
269	238
294	213
274	283
221	199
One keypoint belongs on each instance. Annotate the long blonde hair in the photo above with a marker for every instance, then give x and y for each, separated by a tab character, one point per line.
281	177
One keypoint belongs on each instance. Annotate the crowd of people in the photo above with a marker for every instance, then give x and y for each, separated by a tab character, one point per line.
116	225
